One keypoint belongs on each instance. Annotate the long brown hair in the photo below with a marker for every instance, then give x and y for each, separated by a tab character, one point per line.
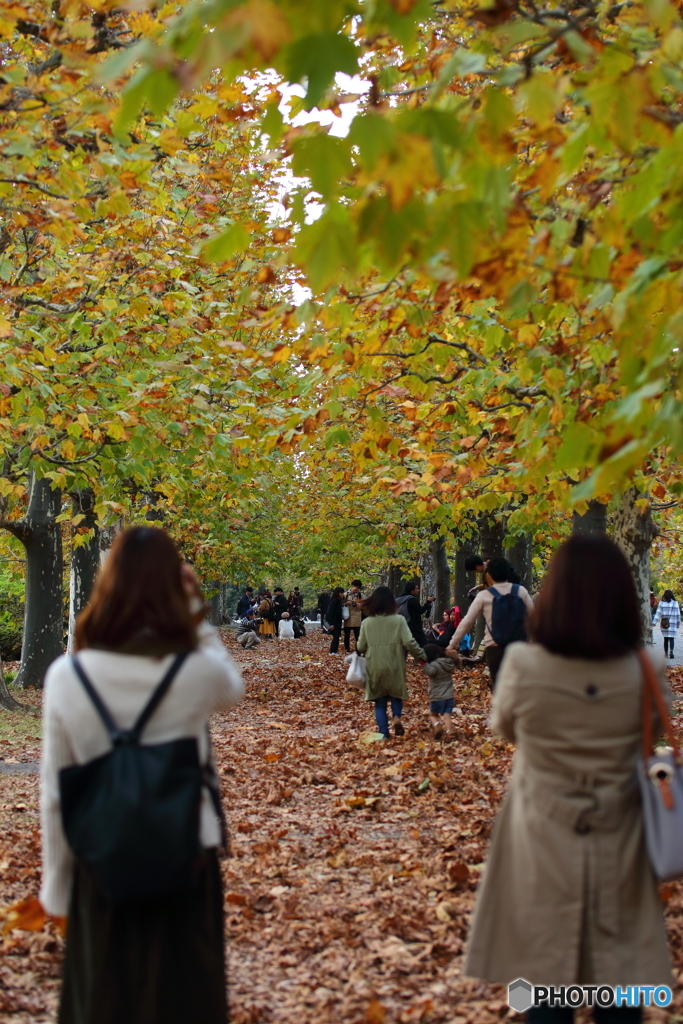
139	604
588	607
381	602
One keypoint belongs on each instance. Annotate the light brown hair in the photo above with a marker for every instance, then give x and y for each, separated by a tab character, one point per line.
139	604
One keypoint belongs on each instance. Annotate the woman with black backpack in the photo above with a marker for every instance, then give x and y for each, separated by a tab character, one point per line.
130	816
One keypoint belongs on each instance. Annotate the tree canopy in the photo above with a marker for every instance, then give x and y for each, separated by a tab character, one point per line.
488	242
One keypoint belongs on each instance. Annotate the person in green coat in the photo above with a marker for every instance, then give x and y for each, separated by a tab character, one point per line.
384	636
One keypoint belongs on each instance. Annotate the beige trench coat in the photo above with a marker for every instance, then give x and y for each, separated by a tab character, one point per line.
567	894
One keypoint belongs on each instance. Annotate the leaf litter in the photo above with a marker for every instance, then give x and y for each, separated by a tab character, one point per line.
353	864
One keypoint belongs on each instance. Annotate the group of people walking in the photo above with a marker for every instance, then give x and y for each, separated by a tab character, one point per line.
568	896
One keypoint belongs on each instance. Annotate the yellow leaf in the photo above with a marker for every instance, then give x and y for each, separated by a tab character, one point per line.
529	334
169	142
410	166
263	24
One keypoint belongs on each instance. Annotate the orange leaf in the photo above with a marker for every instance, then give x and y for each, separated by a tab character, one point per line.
27	914
375	1013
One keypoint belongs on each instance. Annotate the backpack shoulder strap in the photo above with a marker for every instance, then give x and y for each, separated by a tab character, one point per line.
492	590
515	589
157	696
110	725
116	734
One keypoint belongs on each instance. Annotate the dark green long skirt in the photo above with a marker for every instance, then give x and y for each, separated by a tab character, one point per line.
157	962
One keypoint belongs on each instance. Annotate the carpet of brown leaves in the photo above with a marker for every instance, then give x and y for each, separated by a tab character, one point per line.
353	864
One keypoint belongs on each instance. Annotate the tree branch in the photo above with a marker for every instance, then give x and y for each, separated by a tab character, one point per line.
84	458
495	408
435	339
55	307
17	527
33	184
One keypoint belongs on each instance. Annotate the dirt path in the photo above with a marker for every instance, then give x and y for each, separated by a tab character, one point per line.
353	865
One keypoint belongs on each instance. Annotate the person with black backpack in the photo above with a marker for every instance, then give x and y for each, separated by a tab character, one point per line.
131	815
504	606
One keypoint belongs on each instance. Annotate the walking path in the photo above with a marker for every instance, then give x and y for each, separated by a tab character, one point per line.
658	644
353	866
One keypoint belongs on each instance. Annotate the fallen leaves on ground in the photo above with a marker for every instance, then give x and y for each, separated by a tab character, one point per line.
353	865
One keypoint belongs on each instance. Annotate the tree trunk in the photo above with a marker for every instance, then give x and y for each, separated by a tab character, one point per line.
442	575
464	581
215	603
634	532
7	701
593	520
492	536
396	581
43	614
518	555
85	560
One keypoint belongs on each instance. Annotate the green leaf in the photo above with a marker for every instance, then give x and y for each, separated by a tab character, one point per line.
463	62
318	58
327	248
222	247
272	124
154	88
374	135
337	435
325	160
575	446
499	112
464	226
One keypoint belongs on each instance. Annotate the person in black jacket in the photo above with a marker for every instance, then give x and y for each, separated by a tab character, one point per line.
334	616
323	601
279	604
414	610
246	603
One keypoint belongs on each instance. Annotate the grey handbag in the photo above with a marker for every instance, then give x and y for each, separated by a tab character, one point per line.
660	775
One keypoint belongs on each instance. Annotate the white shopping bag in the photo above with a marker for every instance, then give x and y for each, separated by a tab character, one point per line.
356	673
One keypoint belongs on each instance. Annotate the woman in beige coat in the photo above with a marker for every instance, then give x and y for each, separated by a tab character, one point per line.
568	896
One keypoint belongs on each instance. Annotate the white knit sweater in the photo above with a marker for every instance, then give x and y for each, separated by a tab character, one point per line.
73	732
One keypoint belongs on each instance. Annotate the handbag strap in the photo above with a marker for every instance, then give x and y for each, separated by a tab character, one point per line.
116	734
652	691
212	783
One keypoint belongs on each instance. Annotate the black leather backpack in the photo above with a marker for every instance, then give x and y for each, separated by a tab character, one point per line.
131	816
